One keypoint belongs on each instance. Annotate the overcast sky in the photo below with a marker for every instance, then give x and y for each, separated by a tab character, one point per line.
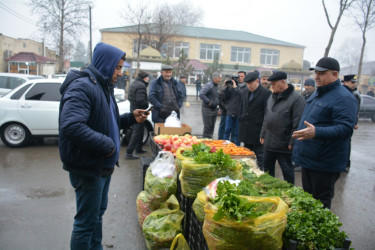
301	22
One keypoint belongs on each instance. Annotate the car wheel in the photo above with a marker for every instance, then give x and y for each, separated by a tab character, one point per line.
373	117
15	135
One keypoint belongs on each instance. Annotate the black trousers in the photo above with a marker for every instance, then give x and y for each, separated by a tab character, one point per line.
136	138
258	150
320	184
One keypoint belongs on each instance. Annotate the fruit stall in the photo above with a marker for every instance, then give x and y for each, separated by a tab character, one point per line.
210	194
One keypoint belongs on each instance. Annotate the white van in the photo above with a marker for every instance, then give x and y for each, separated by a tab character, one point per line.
9	81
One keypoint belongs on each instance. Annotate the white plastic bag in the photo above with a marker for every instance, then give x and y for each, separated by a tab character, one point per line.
172	120
163	165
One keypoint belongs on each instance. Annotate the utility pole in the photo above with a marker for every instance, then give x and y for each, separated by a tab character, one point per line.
90	36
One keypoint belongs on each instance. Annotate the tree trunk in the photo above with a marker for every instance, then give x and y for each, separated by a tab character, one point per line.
362	54
61	45
328	48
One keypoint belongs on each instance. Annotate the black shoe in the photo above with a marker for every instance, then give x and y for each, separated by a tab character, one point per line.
131	157
141	151
298	169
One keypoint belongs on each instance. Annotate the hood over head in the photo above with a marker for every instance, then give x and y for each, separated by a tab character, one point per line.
105	58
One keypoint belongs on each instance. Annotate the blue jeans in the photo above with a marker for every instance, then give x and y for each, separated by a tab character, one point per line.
221	130
231	128
91	203
285	161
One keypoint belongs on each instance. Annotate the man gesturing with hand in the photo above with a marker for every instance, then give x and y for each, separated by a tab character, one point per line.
324	132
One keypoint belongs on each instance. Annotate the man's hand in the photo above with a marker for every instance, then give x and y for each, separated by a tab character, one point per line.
139	115
290	147
306	133
234	84
261	140
219	112
356	127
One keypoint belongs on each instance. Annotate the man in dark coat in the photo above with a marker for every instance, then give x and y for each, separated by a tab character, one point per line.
89	139
284	110
324	131
138	100
166	95
252	109
349	83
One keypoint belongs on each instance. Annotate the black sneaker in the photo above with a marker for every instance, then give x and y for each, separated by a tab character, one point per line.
141	151
131	157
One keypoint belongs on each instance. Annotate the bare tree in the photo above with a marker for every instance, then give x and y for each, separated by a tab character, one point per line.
344	5
351	56
167	20
62	18
138	15
364	16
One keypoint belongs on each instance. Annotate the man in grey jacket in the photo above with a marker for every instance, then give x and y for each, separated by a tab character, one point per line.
283	112
210	101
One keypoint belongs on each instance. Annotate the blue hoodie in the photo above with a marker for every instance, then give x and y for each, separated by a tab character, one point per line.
89	121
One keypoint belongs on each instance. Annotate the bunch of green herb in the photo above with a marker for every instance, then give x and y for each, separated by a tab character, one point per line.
196	148
218	158
232	206
312	226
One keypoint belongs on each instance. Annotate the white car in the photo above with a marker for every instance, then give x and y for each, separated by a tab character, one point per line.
9	81
32	110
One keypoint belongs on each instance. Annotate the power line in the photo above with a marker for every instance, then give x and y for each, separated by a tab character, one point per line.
16	14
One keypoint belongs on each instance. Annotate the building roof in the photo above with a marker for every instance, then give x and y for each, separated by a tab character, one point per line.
196	64
368	68
219	34
150	52
29	57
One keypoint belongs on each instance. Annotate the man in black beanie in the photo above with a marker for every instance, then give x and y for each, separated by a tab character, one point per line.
138	99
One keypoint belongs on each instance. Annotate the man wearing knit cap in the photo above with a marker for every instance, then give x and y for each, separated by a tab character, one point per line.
324	132
264	78
309	87
252	109
138	100
283	112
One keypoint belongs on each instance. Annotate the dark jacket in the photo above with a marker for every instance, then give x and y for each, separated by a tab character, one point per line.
156	93
252	115
84	130
233	97
357	96
138	94
210	95
332	110
222	102
281	119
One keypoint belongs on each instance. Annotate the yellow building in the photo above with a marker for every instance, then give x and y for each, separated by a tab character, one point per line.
11	46
236	50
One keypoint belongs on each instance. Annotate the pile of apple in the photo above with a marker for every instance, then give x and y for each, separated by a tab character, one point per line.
173	142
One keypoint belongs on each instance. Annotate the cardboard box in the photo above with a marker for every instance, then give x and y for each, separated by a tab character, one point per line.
160	129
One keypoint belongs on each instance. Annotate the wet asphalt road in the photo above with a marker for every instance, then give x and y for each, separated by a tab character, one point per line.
37	203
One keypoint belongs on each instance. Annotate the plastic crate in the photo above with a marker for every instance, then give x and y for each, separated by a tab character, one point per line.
145	161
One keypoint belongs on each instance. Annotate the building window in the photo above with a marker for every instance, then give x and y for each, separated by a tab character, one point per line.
24	45
241	55
7	53
144	44
174	49
269	57
209	51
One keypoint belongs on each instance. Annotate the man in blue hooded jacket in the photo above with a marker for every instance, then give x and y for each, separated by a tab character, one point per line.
324	132
89	139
